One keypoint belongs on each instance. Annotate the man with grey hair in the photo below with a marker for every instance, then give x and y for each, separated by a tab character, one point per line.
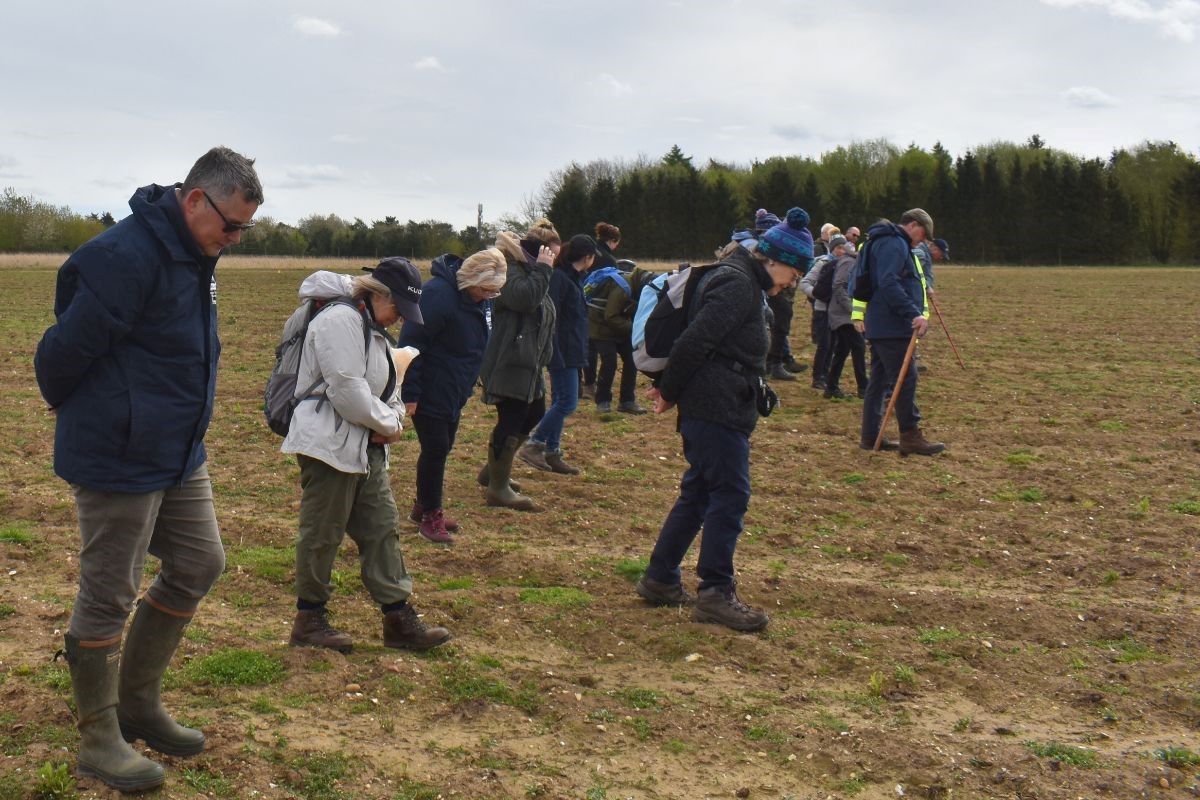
129	370
895	313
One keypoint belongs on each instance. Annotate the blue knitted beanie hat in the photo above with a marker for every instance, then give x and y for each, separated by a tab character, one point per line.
789	242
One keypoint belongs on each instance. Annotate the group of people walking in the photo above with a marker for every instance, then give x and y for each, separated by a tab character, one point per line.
129	371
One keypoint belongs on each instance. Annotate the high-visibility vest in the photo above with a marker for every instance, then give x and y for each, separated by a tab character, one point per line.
858	308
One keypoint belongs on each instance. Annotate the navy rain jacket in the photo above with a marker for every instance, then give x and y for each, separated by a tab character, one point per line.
131	362
898	295
571	335
452	341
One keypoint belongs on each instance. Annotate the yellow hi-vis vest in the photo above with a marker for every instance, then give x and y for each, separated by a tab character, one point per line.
858	308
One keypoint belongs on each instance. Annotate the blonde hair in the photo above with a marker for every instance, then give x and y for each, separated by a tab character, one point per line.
509	244
368	284
486	269
543	231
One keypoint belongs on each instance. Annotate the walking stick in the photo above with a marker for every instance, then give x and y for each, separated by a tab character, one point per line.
912	345
947	330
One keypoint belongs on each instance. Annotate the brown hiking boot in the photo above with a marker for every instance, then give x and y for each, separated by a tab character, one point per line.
657	593
890	445
403	629
721	605
914	443
312	629
418	513
533	453
555	460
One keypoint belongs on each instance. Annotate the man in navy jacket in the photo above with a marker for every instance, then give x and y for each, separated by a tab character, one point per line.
129	369
895	313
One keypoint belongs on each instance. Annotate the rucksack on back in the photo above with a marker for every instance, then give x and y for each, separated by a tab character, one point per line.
823	288
595	286
662	315
280	397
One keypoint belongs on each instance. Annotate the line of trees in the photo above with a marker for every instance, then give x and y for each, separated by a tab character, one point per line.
1001	203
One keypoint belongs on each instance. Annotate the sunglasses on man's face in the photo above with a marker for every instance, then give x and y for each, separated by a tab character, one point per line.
230	227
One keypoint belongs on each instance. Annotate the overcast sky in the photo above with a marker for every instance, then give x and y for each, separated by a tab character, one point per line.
420	110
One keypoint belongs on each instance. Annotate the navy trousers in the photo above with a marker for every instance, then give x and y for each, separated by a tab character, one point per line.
886	357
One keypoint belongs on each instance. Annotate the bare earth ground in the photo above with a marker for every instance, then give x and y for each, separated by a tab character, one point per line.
1014	619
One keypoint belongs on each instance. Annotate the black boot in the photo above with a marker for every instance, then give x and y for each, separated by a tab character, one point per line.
153	638
103	753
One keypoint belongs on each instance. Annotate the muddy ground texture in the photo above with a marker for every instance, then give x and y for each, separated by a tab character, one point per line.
1016	618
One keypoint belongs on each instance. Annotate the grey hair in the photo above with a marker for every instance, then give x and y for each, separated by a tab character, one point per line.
368	284
222	172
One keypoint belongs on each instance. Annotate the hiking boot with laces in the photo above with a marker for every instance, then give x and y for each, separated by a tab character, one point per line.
433	527
533	453
418	512
721	605
630	407
794	366
914	443
657	593
555	460
312	629
402	628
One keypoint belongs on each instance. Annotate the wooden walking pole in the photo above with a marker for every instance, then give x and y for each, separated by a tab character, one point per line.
947	330
912	345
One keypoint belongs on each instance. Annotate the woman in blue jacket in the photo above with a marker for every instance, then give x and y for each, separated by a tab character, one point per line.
456	305
544	448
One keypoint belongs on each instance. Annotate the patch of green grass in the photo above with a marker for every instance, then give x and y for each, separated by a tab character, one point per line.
852	786
639	698
488	662
675	746
463	682
1031	495
56	677
235	667
631	568
1186	507
1021	458
937	635
1110	577
961	724
894	559
905	675
452	584
826	719
54	782
321	775
853	478
7	610
16	533
1064	754
1112	426
1177	757
274	564
641	728
208	783
1128	650
765	733
562	596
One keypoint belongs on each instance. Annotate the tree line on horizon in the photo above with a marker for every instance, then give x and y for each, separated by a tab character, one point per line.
1001	203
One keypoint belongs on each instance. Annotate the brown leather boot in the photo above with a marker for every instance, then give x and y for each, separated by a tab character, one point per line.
402	628
555	460
312	629
534	454
914	443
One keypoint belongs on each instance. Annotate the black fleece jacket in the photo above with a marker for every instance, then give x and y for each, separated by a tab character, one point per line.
717	360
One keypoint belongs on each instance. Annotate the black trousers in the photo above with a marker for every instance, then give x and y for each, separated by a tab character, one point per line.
608	369
437	439
516	418
847	341
783	309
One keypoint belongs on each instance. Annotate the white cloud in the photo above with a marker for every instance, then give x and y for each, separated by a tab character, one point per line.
300	176
1089	97
613	86
1177	19
429	63
312	26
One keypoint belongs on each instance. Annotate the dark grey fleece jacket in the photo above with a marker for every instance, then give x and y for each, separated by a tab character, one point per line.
717	360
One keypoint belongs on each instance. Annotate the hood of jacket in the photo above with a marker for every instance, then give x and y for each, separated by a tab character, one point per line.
745	261
157	209
446	267
326	285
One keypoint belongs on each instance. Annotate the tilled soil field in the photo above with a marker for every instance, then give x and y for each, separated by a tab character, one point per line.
1016	618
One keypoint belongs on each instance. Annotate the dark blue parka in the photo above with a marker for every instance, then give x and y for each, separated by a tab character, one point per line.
131	362
898	294
452	341
571	336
